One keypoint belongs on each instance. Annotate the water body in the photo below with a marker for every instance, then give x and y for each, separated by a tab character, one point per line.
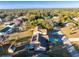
5	29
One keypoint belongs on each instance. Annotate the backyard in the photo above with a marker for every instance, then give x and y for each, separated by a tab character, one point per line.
69	33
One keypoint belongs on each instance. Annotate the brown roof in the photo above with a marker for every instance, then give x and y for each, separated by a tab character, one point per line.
68	32
20	35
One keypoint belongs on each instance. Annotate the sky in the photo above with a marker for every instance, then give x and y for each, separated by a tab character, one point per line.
38	4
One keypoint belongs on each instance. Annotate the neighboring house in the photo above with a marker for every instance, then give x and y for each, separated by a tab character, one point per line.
56	17
69	24
17	21
76	18
12	25
72	35
6	23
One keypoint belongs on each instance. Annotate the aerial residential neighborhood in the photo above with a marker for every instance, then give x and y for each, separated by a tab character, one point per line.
39	32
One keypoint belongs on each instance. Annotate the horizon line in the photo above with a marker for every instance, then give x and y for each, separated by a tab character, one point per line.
44	8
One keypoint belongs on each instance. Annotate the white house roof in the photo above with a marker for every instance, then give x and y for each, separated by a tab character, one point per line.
76	18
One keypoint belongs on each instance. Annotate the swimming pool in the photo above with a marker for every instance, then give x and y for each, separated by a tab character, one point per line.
5	29
55	39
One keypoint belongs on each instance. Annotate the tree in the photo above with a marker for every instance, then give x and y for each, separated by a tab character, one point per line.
9	18
58	52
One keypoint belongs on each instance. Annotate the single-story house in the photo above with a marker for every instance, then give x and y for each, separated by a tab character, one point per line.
17	21
6	23
76	18
69	24
72	35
